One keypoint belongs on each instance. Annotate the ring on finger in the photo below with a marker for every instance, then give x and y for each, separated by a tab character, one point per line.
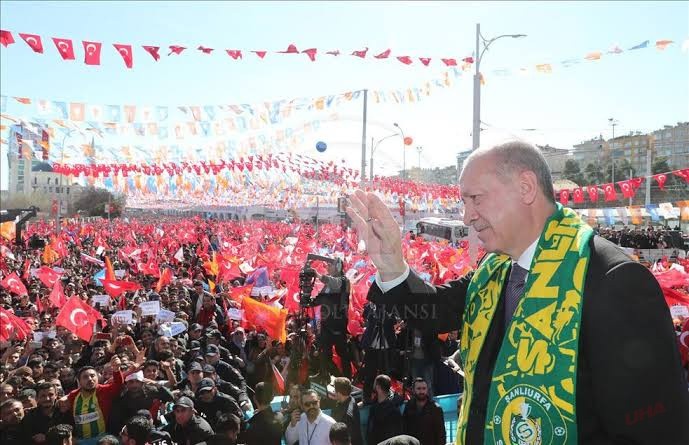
370	219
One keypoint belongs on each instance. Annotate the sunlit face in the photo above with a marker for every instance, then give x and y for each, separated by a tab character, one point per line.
491	204
46	398
88	380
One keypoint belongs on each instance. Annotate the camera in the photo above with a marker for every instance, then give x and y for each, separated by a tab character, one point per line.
307	277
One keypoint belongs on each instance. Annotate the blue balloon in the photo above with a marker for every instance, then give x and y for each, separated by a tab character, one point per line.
321	146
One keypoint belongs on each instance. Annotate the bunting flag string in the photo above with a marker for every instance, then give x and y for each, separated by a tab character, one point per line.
92	53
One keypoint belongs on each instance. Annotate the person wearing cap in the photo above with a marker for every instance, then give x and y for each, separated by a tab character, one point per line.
194	377
237	345
137	395
195	332
186	427
214	337
228	388
211	403
226	371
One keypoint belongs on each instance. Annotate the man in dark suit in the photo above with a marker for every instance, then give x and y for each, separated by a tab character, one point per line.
346	409
265	426
624	359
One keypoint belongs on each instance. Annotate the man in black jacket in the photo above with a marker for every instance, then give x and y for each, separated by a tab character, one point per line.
265	426
346	409
37	421
378	343
628	377
422	417
210	403
186	427
385	418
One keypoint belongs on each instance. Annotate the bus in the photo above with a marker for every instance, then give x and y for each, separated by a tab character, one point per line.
433	228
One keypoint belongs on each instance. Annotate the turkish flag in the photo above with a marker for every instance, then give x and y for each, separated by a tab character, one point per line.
6	38
425	60
684	174
205	50
610	193
78	317
311	52
660	179
126	53
48	276
229	271
361	53
449	62
260	54
405	59
91	52
564	197
234	53
34	41
279	380
174	49
592	190
269	318
578	195
117	288
14	284
291	49
12	325
153	51
384	55
57	295
65	47
628	190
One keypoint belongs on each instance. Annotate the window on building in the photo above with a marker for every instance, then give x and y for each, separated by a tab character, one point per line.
35	180
48	181
68	190
50	190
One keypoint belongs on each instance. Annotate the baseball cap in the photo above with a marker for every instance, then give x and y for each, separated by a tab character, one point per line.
138	376
212	350
195	344
205	385
195	326
213	333
185	402
208	368
194	366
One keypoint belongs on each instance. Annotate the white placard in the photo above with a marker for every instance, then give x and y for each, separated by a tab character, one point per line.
235	314
104	300
149	308
679	312
172	329
99	250
165	316
40	335
123	317
119	273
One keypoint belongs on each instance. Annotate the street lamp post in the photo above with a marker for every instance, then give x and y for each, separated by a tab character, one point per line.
59	199
404	152
476	129
374	146
613	123
419	149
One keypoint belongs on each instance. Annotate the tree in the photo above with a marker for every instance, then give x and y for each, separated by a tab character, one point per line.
622	170
594	174
676	188
93	202
572	172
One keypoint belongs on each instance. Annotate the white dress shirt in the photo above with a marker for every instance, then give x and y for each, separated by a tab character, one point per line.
524	261
307	433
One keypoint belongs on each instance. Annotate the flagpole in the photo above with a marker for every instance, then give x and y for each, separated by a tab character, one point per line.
363	138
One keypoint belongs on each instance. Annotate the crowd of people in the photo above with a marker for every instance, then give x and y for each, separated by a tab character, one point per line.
205	373
648	238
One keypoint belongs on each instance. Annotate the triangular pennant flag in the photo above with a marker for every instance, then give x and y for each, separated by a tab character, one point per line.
153	51
34	41
384	55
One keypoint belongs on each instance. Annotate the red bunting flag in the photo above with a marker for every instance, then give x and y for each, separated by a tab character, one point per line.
684	174
57	295
65	47
660	179
311	52
48	276
126	53
592	191
425	60
78	317
384	55
91	52
117	288
205	50
578	196
405	59
564	197
361	53
269	318
174	49
234	53
449	62
610	193
628	191
291	49
153	51
14	284
333	53
260	54
6	38
34	41
13	327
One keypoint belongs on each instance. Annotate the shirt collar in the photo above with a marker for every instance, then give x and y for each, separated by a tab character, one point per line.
527	256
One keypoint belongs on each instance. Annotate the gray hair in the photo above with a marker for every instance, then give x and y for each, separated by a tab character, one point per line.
516	157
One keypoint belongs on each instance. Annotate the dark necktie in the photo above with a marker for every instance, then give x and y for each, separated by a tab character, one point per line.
515	287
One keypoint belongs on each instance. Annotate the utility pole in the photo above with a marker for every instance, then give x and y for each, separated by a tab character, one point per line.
614	123
363	138
419	149
649	172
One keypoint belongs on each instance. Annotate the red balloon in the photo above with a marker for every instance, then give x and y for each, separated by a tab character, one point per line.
408	140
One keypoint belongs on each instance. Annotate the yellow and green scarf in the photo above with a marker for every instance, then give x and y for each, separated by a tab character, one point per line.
88	417
532	399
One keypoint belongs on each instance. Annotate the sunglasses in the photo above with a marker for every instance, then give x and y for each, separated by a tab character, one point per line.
312	403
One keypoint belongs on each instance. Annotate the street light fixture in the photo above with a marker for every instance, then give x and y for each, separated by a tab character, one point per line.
404	151
476	131
613	123
419	149
374	146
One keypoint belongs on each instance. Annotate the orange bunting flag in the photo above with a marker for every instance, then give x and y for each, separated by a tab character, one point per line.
165	278
212	266
662	44
109	271
269	318
8	230
596	55
49	255
211	286
239	293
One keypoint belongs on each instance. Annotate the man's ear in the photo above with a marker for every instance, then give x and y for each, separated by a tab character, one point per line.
528	187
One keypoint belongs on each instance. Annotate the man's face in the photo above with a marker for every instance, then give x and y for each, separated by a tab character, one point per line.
195	334
421	391
212	359
88	380
491	204
310	404
207	395
12	414
208	302
135	387
46	398
151	372
195	376
183	415
163	344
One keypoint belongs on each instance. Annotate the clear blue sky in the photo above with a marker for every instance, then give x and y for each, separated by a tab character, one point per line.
643	89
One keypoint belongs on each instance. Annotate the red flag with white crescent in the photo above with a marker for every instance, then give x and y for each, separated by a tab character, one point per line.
11	325
78	317
65	47
14	284
126	53
57	296
91	52
34	41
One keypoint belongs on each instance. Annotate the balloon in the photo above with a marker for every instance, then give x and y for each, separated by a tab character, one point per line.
408	140
321	146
